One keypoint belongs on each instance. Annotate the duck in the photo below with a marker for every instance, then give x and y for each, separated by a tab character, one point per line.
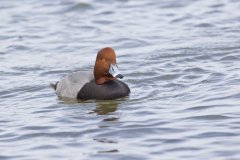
102	83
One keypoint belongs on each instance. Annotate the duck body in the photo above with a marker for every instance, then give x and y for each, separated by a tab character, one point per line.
81	85
102	83
110	90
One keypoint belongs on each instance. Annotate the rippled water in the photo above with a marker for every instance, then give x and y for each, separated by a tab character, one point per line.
180	59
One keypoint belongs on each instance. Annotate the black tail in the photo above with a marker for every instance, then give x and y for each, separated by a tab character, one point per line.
54	86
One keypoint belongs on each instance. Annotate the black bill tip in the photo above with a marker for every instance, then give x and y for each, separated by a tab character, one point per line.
119	76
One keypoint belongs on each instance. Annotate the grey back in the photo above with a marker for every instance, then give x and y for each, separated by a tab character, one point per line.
71	84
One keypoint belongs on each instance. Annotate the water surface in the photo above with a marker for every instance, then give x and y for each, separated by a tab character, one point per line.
180	59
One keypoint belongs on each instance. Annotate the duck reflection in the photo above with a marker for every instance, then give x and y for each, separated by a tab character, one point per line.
105	107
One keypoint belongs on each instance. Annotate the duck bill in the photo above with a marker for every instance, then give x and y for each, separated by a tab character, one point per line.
113	70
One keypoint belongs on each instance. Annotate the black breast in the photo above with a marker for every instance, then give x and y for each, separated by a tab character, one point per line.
111	90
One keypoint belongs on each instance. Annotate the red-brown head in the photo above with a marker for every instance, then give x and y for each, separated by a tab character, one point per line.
105	68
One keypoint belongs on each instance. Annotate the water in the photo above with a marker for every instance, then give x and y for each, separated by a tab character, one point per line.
180	59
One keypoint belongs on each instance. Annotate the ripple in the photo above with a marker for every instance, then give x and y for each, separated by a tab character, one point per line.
39	135
199	108
2	157
19	47
214	134
204	25
168	77
55	72
27	69
109	151
166	141
11	73
182	149
35	128
220	5
209	117
181	19
43	147
229	58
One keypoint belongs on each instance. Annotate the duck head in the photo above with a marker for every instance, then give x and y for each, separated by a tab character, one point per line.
105	68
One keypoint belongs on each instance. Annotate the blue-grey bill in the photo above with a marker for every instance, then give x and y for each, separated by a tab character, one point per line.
113	70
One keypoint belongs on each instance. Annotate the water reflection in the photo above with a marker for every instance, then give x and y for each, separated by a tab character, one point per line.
103	107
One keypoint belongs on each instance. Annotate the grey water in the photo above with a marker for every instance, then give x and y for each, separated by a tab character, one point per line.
179	58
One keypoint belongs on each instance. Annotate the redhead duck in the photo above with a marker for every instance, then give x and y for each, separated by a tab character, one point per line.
101	84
